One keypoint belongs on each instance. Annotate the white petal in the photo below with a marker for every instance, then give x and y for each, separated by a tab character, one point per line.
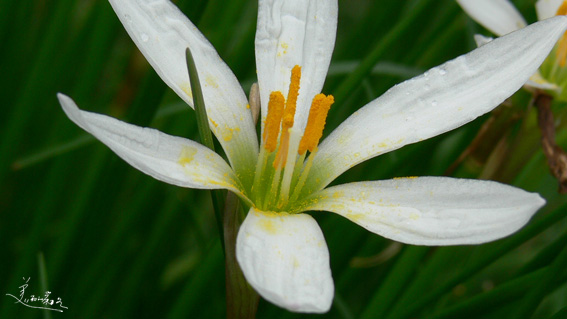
498	16
547	8
438	101
432	210
285	259
289	33
538	82
170	159
162	33
481	40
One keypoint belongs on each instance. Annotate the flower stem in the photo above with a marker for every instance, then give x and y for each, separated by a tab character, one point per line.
241	299
556	157
217	196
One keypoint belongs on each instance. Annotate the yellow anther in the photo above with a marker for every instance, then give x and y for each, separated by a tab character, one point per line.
273	120
293	92
315	123
561	52
288	116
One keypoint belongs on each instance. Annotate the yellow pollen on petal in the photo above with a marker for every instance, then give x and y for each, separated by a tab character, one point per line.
315	123
561	52
273	120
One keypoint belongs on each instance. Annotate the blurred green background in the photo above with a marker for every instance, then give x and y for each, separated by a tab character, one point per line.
114	243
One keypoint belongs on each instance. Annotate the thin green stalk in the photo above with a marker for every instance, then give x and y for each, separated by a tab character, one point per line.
43	280
204	133
44	210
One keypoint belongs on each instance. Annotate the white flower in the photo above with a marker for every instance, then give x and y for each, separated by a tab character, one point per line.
282	252
501	17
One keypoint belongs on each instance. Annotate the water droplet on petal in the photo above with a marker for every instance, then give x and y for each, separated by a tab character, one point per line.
434	103
442	72
128	18
144	37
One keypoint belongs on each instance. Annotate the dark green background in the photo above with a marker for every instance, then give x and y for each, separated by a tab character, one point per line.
118	244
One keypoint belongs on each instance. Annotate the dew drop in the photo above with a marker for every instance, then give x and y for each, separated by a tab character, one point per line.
128	18
434	103
442	72
144	37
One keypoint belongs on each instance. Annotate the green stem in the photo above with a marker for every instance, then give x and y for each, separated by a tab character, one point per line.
204	133
241	299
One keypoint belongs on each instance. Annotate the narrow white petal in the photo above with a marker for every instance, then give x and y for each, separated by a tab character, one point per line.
538	82
170	159
438	101
547	8
481	40
289	33
432	210
163	33
498	16
285	259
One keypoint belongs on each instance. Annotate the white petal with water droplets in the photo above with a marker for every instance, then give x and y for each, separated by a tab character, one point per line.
432	210
498	16
162	33
170	159
289	33
438	101
285	259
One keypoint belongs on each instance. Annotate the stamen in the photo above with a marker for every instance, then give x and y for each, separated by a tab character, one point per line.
288	116
315	123
561	52
293	90
562	9
273	120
